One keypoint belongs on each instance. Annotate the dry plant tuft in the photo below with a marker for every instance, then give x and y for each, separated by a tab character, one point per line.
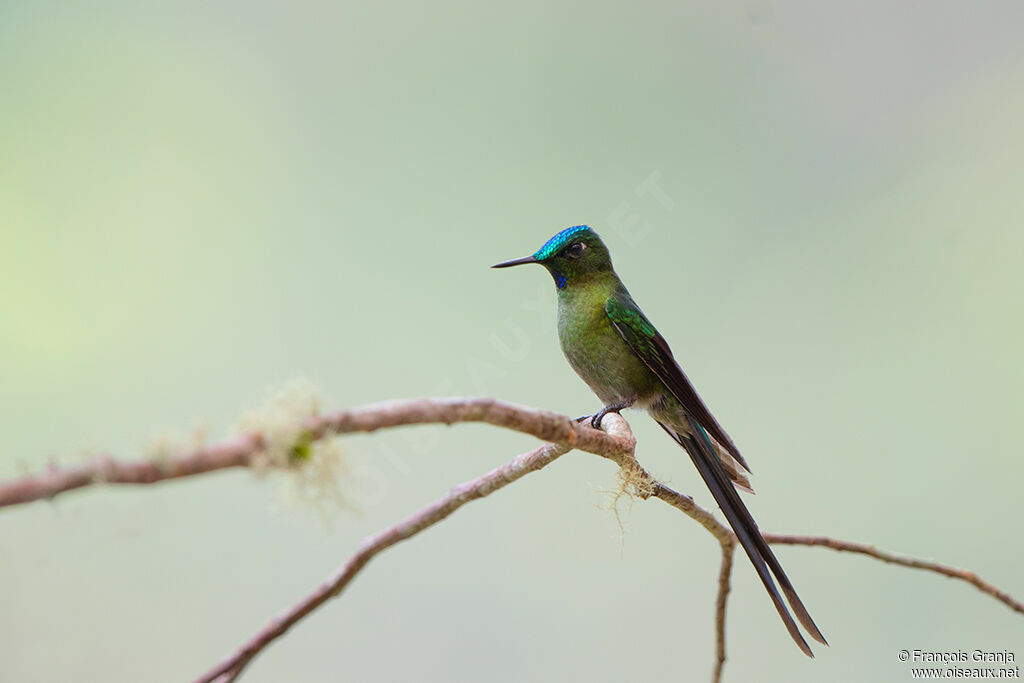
315	466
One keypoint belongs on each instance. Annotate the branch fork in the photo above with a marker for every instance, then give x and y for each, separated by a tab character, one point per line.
614	441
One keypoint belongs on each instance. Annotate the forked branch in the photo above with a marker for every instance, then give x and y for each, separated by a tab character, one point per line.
561	434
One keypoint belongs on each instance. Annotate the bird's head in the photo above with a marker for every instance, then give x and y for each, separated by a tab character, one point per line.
571	256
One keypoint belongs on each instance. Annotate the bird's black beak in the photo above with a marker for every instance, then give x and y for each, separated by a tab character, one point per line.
516	262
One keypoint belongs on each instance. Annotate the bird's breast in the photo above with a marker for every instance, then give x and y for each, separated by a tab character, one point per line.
600	356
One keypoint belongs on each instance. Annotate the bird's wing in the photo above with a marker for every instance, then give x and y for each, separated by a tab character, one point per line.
652	349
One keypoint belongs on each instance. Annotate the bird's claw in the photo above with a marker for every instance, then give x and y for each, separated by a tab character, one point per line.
595	419
616	408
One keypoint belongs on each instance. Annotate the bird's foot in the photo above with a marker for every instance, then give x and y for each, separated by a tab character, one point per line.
595	421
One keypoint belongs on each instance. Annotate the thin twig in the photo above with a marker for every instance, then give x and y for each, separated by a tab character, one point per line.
497	478
687	506
901	560
724	578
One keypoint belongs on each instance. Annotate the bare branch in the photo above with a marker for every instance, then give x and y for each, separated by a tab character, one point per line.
497	478
688	507
239	452
562	435
724	578
55	480
727	539
901	560
229	669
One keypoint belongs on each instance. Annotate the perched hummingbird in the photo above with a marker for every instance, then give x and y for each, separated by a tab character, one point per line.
615	349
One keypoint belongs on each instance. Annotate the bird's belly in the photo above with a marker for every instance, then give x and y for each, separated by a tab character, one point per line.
604	361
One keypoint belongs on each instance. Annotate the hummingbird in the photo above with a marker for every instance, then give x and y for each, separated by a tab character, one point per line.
616	350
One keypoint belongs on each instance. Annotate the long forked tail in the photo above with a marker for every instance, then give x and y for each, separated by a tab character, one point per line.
761	556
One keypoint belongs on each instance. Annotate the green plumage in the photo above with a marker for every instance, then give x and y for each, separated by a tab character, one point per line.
594	347
616	350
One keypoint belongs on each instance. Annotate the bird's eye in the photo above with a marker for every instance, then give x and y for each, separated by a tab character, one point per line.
574	250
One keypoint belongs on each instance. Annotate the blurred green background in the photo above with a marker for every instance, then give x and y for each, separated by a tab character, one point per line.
818	203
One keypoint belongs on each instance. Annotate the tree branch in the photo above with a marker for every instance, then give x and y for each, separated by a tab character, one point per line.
240	451
688	507
724	578
561	433
901	560
232	666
